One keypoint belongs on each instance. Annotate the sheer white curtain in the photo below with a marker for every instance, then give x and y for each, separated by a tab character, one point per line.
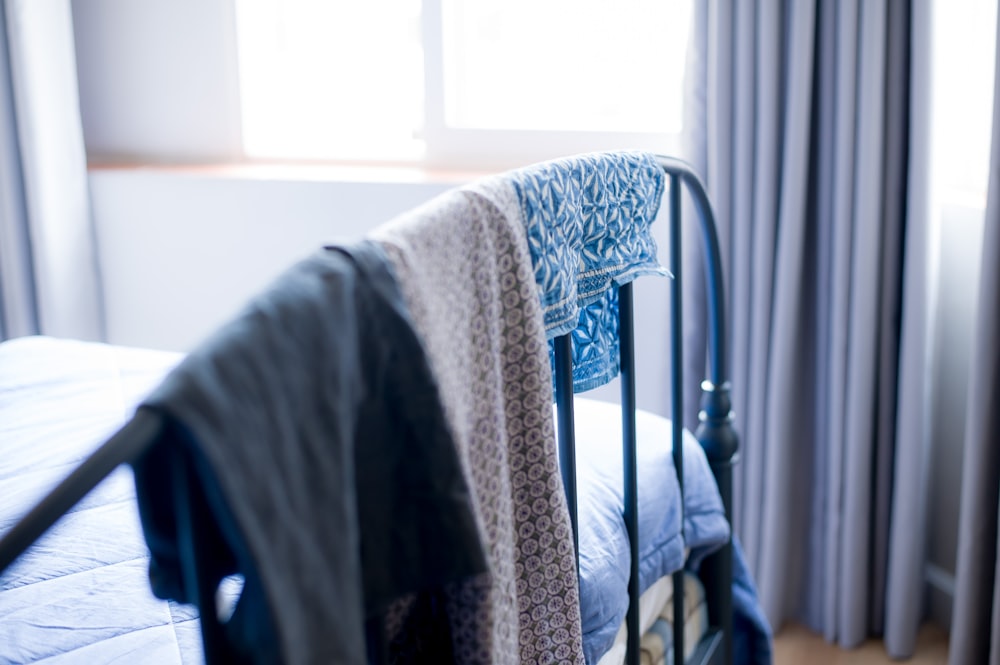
810	129
49	280
975	634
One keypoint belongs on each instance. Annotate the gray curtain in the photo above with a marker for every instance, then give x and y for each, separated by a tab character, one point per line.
810	133
48	265
975	634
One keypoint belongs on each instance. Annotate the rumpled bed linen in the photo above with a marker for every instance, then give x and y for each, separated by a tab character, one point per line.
604	544
463	265
81	593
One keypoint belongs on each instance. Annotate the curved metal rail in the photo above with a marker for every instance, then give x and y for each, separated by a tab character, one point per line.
714	432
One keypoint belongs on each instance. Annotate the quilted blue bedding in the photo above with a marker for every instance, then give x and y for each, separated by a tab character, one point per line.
604	546
81	593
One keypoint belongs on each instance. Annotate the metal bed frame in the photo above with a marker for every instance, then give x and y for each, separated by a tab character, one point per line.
714	433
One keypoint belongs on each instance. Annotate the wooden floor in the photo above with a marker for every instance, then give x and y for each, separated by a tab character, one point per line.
795	644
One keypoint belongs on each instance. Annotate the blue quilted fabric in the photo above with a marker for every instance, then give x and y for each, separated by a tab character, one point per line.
595	343
587	220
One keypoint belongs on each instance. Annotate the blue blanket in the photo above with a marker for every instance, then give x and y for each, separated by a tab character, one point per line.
81	593
604	545
588	224
587	219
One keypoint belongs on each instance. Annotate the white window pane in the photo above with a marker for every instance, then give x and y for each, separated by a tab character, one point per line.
323	79
590	65
965	36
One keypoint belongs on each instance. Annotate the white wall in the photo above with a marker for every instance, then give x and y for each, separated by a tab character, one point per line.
158	80
180	252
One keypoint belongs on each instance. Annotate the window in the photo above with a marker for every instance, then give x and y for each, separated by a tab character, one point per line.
457	82
962	107
323	79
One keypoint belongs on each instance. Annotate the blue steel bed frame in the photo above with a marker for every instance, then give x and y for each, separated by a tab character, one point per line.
714	433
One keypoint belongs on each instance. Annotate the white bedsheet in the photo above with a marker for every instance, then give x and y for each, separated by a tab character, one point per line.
81	593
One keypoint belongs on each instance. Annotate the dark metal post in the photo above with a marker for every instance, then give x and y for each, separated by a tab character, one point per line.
717	437
715	431
567	437
626	337
126	445
677	393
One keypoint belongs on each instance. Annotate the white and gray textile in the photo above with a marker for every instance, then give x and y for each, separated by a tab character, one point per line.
463	265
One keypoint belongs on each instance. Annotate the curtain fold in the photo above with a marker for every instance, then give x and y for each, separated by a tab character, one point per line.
18	315
802	130
910	458
975	636
49	281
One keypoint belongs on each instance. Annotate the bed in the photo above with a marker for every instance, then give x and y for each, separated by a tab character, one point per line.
81	592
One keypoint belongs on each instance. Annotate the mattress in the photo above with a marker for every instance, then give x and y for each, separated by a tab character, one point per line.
81	593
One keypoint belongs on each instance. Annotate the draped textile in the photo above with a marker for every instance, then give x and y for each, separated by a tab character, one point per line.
49	280
463	265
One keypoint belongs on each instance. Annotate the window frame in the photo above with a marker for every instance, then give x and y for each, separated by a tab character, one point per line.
481	149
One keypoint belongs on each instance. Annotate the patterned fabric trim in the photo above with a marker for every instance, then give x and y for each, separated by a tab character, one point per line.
587	221
595	343
464	269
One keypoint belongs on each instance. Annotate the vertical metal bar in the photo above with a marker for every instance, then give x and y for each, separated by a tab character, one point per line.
715	430
717	365
717	437
677	393
567	437
126	445
627	349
